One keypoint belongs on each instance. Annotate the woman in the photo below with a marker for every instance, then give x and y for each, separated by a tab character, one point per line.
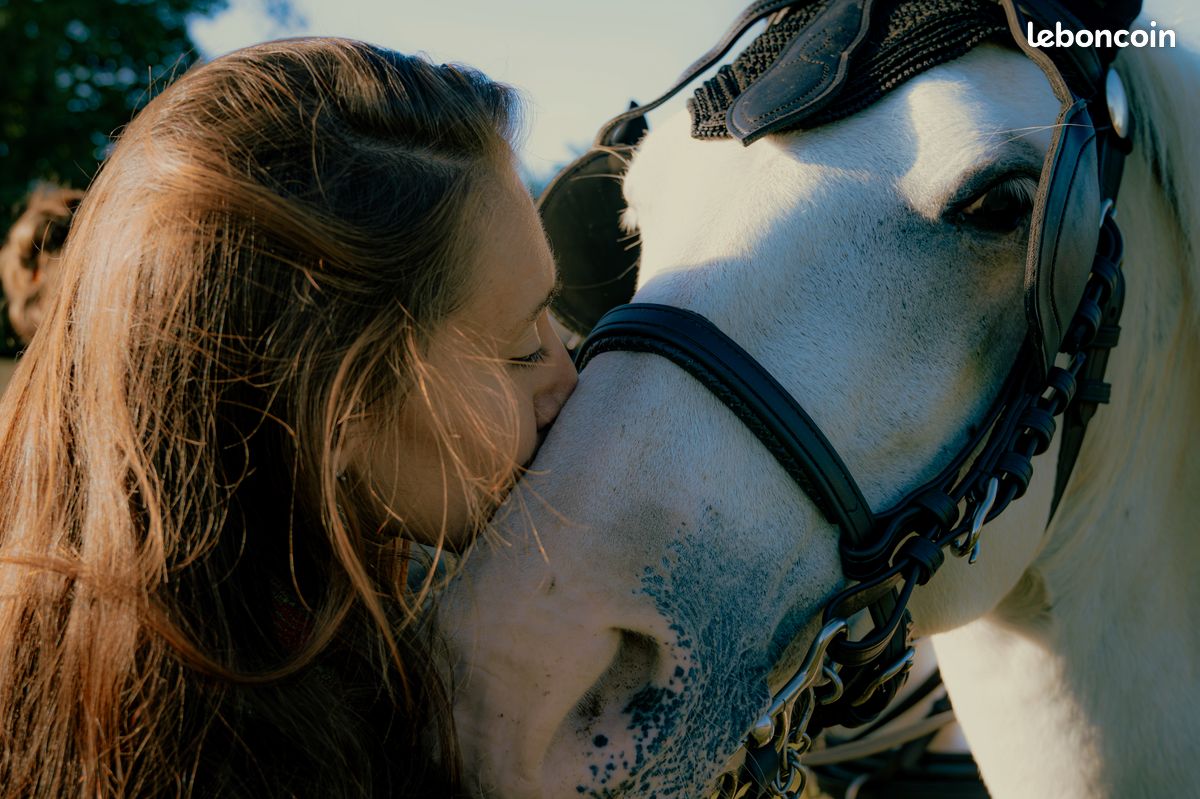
300	348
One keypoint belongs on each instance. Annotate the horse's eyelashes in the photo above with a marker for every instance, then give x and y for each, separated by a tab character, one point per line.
1001	208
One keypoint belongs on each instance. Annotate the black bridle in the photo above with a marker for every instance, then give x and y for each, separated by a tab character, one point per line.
887	554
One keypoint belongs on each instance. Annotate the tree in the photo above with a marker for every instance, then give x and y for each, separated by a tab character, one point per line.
75	71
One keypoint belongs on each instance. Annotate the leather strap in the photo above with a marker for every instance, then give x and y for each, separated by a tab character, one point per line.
1092	389
753	13
925	776
745	387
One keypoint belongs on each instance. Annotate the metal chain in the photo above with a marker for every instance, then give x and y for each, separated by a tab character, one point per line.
783	726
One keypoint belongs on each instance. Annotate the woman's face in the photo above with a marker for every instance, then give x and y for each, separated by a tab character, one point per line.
497	377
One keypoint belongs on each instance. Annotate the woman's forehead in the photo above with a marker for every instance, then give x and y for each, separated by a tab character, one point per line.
514	271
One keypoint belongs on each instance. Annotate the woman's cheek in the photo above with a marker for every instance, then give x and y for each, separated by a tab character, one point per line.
529	442
508	436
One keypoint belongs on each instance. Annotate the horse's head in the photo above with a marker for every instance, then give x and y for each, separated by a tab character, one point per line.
664	575
30	255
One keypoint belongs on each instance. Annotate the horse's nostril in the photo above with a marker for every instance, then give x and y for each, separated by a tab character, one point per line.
633	667
598	725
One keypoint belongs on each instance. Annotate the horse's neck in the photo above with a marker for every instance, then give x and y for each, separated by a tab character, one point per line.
1085	681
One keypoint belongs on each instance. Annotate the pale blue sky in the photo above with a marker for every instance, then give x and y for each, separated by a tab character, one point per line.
578	63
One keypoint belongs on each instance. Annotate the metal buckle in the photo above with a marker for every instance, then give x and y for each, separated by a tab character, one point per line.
764	731
971	545
902	664
1118	103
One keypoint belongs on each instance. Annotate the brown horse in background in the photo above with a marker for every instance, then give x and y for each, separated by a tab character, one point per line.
30	256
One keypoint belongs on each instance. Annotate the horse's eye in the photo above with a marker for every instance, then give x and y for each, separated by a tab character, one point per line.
1002	208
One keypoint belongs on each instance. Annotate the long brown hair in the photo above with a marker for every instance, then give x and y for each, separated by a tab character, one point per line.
192	601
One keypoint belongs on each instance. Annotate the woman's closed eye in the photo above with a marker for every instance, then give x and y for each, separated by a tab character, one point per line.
532	359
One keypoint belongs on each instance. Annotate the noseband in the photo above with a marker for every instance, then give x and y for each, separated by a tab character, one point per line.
1074	262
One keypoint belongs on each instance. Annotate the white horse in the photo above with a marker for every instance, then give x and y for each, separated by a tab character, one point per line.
665	574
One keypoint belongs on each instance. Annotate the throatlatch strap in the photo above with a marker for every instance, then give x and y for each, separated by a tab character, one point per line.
746	388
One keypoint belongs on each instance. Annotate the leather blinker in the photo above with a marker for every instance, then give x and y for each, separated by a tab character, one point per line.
1064	230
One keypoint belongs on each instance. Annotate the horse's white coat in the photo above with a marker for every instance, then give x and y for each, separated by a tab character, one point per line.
662	572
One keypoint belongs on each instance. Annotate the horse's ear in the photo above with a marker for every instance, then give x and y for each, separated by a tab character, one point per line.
629	132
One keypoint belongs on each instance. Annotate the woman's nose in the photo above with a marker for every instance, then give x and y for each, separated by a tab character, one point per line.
559	379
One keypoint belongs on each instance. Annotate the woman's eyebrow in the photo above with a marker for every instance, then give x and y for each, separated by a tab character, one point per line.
545	303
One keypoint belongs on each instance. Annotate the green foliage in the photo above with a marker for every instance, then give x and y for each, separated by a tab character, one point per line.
75	71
